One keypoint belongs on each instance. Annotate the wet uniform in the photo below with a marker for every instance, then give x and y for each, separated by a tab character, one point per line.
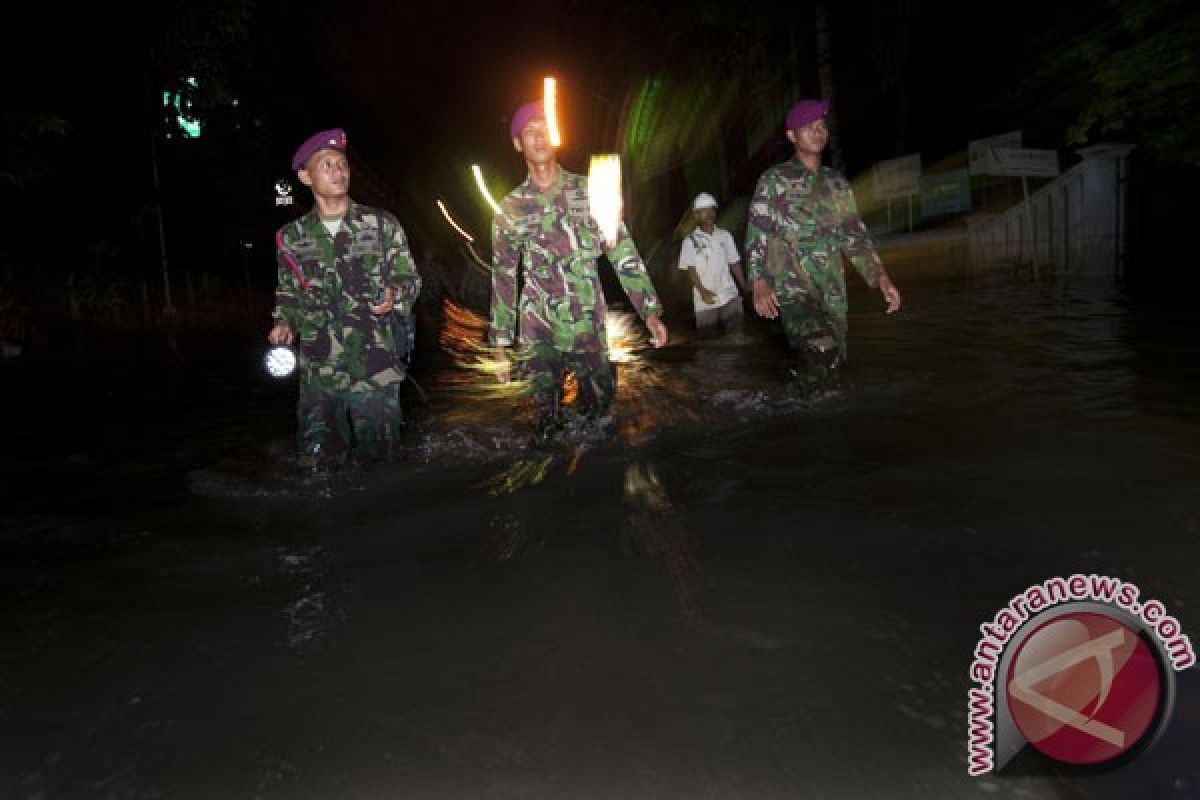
351	366
800	225
560	312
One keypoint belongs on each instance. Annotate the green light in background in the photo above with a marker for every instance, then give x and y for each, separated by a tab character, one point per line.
188	125
642	116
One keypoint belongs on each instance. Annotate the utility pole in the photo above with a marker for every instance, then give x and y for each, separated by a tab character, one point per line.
168	306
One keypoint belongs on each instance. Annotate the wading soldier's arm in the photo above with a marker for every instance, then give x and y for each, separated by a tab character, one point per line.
635	280
506	256
400	274
288	296
860	250
760	226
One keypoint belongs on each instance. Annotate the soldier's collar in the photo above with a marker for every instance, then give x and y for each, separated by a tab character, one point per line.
312	220
554	188
804	167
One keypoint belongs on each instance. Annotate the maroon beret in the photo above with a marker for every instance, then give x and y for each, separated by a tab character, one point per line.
804	112
334	139
521	117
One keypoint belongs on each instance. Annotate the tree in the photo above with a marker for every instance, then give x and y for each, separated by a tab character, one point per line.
1141	79
23	135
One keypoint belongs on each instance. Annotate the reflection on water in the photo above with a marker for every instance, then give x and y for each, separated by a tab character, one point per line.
745	573
521	474
309	613
653	530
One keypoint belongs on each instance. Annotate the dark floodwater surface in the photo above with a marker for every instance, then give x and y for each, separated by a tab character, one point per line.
739	593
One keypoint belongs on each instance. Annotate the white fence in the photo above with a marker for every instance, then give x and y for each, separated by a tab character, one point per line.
1078	226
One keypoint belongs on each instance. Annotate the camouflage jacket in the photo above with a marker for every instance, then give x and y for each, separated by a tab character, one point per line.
561	302
325	286
800	224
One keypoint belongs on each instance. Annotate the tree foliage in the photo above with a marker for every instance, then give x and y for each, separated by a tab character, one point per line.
24	135
1142	79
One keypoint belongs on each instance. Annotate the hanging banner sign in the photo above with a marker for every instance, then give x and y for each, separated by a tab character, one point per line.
898	177
979	152
1025	162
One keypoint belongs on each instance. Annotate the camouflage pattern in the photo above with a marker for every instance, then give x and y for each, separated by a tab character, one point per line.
561	302
800	226
561	309
325	287
350	371
595	376
817	341
328	420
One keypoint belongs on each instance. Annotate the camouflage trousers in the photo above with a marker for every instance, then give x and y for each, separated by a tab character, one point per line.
333	424
545	368
816	338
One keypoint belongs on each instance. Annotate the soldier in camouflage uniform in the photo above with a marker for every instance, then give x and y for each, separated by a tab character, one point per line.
803	220
546	224
345	275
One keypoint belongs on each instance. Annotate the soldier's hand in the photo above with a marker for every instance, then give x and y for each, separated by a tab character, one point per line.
281	334
708	296
389	303
890	294
503	365
658	331
765	301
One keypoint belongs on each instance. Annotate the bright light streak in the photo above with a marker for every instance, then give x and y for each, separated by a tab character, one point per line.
478	262
550	109
624	337
454	224
484	190
604	194
462	337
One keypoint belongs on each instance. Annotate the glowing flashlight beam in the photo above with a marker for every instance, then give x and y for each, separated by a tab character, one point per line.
484	190
550	108
454	224
604	194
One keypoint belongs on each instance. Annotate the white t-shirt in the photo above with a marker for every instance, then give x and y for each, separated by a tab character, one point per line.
711	255
332	225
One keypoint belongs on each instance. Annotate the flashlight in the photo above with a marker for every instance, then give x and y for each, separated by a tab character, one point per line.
280	361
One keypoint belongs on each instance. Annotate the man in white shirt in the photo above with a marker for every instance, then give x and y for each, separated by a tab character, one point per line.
712	262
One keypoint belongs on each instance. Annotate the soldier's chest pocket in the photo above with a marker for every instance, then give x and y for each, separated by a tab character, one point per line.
801	207
583	226
311	270
367	249
526	227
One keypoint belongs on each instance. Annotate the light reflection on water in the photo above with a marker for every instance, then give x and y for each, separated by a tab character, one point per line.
1008	351
984	435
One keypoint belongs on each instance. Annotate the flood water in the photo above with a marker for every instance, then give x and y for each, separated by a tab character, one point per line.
736	592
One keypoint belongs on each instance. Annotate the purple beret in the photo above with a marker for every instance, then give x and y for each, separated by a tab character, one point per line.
335	139
804	112
521	117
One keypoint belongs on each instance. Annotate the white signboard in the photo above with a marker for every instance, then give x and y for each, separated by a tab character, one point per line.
1025	162
898	177
979	152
